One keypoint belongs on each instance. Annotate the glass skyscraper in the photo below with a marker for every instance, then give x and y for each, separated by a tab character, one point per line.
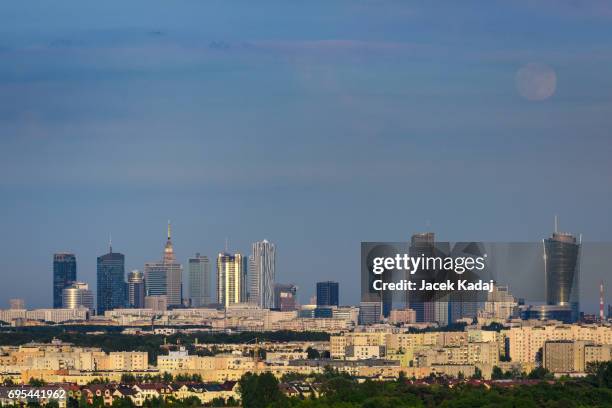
112	290
136	289
262	275
199	281
64	275
562	272
422	244
328	294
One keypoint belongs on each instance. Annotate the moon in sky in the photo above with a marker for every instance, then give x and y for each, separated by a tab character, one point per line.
536	82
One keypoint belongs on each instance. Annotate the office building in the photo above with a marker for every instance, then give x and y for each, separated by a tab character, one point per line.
231	278
252	285
157	303
562	272
64	274
78	296
285	297
112	290
327	293
370	312
136	289
423	244
164	278
262	276
199	281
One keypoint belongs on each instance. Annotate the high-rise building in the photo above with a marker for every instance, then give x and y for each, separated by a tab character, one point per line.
423	244
77	296
164	278
230	278
252	286
199	281
285	297
136	289
112	290
328	293
64	274
562	272
261	279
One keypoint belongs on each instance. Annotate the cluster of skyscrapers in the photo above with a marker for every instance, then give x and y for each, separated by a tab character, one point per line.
561	253
239	279
251	279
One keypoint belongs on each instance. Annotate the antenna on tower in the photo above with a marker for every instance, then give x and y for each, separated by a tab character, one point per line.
110	243
169	229
556	224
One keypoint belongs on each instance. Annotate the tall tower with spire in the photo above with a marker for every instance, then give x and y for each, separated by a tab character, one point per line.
164	277
169	250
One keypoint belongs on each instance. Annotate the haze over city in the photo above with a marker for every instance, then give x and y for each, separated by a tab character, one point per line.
315	125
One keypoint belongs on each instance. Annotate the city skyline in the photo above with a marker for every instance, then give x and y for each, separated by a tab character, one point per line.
185	288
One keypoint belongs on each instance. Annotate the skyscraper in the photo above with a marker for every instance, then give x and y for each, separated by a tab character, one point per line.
423	244
111	281
64	274
165	277
77	296
262	276
252	286
562	272
230	278
328	294
199	281
136	289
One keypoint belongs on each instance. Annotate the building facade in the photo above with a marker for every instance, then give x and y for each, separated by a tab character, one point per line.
136	289
328	294
562	272
199	281
262	277
64	274
285	297
112	291
231	278
77	296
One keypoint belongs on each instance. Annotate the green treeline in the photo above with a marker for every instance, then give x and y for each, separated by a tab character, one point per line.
342	391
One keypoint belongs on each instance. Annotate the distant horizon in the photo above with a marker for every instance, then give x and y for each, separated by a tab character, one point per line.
304	297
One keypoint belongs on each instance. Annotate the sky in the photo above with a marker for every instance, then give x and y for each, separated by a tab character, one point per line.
315	125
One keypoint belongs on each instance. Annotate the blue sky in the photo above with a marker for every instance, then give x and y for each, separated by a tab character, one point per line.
316	125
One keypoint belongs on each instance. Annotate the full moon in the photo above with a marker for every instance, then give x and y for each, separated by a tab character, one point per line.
536	82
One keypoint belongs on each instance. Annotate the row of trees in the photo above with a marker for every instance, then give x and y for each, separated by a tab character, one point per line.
343	391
